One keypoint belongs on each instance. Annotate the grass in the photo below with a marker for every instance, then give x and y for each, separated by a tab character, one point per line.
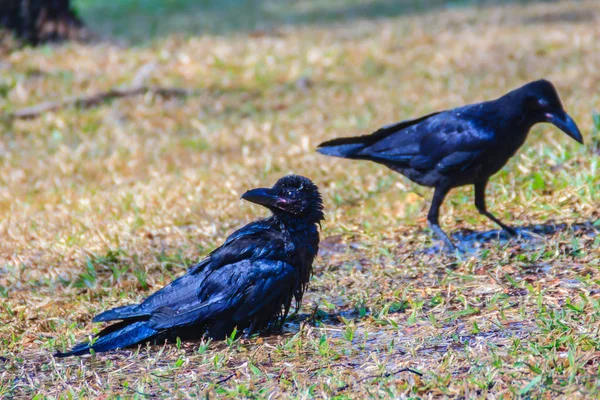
101	207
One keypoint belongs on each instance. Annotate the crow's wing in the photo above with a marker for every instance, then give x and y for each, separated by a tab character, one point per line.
241	289
181	291
355	147
397	142
238	244
267	243
261	244
250	229
453	144
445	142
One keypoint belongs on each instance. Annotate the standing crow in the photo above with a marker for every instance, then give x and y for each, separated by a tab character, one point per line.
249	282
463	146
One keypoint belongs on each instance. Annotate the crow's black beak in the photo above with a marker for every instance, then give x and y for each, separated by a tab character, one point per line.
263	196
565	123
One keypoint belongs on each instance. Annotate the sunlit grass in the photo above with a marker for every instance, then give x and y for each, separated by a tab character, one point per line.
101	207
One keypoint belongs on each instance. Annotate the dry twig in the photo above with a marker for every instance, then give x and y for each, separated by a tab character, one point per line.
97	98
223	380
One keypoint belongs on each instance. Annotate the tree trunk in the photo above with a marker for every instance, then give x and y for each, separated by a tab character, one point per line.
38	21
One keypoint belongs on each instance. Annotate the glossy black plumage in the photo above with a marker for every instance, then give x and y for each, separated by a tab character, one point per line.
247	283
459	147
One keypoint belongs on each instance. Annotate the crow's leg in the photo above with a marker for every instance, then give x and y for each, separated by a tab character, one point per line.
220	329
480	204
434	213
251	330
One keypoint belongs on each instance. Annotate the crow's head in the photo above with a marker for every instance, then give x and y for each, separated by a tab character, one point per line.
542	104
293	195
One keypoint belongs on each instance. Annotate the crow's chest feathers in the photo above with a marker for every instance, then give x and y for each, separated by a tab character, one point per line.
301	243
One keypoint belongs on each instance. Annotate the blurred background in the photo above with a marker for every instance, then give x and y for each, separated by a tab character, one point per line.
141	20
130	128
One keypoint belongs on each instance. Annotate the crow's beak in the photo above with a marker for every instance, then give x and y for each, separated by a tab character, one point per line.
565	123
263	196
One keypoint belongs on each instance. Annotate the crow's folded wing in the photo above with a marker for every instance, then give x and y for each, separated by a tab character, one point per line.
253	240
444	142
260	244
181	291
453	144
241	289
367	147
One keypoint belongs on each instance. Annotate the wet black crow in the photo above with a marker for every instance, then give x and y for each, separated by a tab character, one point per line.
247	283
463	146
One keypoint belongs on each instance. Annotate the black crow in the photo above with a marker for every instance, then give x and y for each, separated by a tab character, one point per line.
463	146
247	283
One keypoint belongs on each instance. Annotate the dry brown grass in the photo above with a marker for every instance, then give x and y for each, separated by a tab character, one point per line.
103	206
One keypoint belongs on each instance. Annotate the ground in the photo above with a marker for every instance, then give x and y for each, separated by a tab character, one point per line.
102	206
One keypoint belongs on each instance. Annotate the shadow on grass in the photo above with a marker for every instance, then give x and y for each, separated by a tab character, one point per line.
530	236
138	21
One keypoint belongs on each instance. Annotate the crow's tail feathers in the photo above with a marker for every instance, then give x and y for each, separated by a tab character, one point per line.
124	312
343	147
351	147
116	336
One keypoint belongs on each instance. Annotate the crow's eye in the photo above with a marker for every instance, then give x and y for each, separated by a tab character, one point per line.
290	193
534	104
